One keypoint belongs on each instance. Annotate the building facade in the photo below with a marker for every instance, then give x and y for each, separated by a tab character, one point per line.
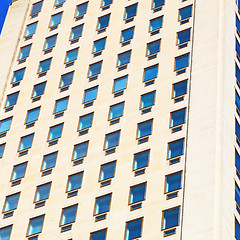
119	120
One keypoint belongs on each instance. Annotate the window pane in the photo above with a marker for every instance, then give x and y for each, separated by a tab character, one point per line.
134	229
5	124
106	2
112	139
153	47
116	111
127	34
175	148
55	132
137	193
183	36
19	171
237	230
35	225
74	182
49	161
81	9
32	115
141	160
71	55
85	121
59	2
181	62
120	84
237	161
103	204
90	94
61	105
44	65
157	3
2	147
144	129
36	8
95	69
130	11
56	19
80	150
107	171
76	32
185	13
147	100
5	233
42	192
11	99
18	75
68	215
26	142
50	42
179	89
156	23
31	29
11	202
100	235
99	45
39	89
150	73
124	58
173	182
66	79
170	218
103	22
24	52
178	117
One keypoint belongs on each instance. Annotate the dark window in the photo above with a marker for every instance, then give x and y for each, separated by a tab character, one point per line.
181	62
81	9
102	204
112	140
11	99
150	73
49	161
19	171
38	89
137	193
107	171
133	229
35	225
175	148
141	160
170	218
130	11
103	22
42	192
32	115
36	8
66	79
127	34
26	142
68	215
185	13
144	129
18	75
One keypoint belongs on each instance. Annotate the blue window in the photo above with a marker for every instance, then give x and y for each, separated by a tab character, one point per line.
74	181
99	45
35	225
150	73
179	89
127	34
123	58
69	215
26	142
71	55
2	147
102	204
130	11
59	2
36	8
183	36
141	160
156	24
112	140
38	89
137	193
11	202
181	62
144	129
185	13
147	100
237	46
11	99
80	150
237	74
99	235
103	22
61	105
237	101
31	29
85	121
76	32
5	233
55	132
237	230
19	171
237	197
107	171
153	47
90	94
18	75
170	218
116	111
157	3
49	161
55	20
44	65
95	69
42	192
177	117
175	148
237	162
50	42
81	9
237	130
173	182
5	124
32	115
134	229
66	79
120	84
238	24
106	2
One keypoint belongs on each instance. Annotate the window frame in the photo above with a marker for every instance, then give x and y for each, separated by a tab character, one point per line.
157	8
70	63
18	179
148	107
43	73
76	189
66	86
30	35
114	147
68	224
81	158
31	122
185	20
53	27
3	133
38	97
92	100
182	95
5	201
165	182
62	111
105	229
180	70
55	139
181	45
178	125
114	172
103	29
173	227
139	169
48	50
76	39
125	234
155	31
146	136
48	169
126	42
18	81
130	19
10	107
36	14
130	190
99	52
102	196
35	234
21	60
179	156
109	111
25	149
80	16
116	93
123	66
153	55
35	195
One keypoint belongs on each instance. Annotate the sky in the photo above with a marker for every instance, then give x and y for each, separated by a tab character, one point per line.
3	11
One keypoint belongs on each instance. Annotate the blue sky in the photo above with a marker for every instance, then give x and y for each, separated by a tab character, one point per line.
3	11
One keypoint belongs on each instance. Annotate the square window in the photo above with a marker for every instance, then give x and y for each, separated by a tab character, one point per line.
85	122
74	181
42	192
99	45
68	215
181	62
185	13
71	55
38	89
137	193
112	140
11	99
183	36
76	32
99	235
44	66
81	10
49	161
18	75
80	151
35	225
5	124
66	79
178	117
175	148
61	105
133	229
150	73
106	2
11	202
24	52
156	24
153	47
102	204
55	132
55	20
141	160
32	115
123	58
31	29
120	84
144	129
107	171
179	89
127	34
116	111
103	22
36	8
157	3
90	94
173	182
170	218
50	42
130	11
19	171
2	147
94	69
26	142
5	232
147	100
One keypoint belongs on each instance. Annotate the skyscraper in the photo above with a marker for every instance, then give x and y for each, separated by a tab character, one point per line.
119	119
